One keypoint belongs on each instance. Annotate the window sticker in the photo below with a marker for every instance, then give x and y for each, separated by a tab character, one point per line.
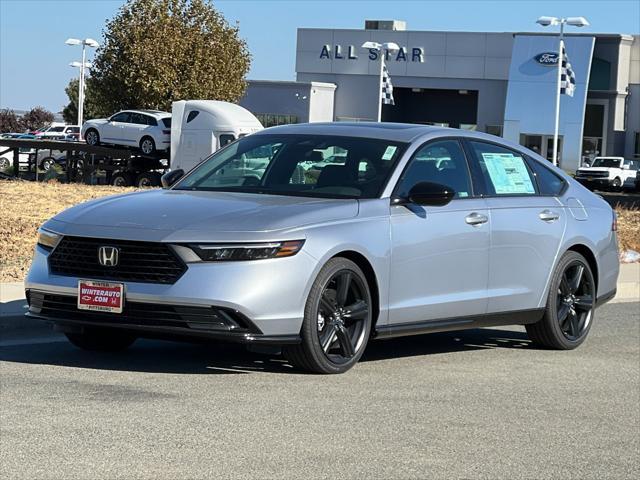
508	173
388	153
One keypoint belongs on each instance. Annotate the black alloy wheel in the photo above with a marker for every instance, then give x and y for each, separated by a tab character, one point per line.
570	305
337	321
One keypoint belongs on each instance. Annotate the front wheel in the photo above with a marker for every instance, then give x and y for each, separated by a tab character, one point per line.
92	137
616	184
337	320
101	340
570	307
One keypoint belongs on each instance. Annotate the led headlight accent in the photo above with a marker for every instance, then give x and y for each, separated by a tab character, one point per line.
47	239
245	251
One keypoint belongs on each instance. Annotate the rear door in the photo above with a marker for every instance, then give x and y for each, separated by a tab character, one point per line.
527	227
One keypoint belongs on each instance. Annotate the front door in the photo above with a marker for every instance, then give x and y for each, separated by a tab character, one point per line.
439	261
526	229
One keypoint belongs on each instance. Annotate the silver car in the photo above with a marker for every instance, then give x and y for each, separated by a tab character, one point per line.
407	230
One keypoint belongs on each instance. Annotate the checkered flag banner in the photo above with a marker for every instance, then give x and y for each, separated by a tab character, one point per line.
387	88
567	76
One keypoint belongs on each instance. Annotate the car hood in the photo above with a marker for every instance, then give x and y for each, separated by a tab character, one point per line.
182	215
95	121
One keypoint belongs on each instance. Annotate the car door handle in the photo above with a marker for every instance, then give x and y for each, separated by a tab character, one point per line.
548	216
476	219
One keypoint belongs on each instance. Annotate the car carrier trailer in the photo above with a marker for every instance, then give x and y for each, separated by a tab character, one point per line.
123	166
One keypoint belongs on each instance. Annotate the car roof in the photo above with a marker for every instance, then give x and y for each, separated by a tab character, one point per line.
399	132
153	113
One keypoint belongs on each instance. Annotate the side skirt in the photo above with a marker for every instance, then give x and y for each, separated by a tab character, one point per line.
517	317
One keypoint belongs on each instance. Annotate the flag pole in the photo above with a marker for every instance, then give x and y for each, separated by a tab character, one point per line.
557	120
380	84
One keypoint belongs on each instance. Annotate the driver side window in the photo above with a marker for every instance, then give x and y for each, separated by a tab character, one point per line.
440	162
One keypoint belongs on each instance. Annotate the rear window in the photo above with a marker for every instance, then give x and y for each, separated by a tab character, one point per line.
549	183
167	122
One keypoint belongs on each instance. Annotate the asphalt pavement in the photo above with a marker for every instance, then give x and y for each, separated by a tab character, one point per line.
476	404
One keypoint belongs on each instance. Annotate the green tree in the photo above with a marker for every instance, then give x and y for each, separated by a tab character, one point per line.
36	118
9	121
157	51
91	109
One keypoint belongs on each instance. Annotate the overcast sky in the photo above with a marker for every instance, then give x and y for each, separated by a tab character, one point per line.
34	59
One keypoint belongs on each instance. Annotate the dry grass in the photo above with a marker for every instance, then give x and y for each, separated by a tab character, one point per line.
628	228
24	206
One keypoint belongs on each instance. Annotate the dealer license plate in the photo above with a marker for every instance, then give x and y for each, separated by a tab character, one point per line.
100	296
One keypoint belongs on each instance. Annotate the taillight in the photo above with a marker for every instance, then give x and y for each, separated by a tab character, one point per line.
614	223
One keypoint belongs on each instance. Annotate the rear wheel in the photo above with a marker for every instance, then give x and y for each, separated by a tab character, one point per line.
147	145
92	137
570	306
47	163
101	340
337	320
122	179
148	179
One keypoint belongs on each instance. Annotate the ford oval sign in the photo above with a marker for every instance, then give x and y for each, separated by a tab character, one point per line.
548	59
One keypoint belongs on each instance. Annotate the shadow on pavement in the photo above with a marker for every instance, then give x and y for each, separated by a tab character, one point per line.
219	358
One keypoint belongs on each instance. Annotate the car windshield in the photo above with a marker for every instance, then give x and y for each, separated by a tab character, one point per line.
606	162
300	165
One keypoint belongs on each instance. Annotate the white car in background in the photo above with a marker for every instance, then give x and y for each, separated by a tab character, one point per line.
148	130
57	132
609	172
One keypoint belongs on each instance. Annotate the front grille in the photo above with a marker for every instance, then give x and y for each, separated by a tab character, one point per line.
145	262
64	307
587	173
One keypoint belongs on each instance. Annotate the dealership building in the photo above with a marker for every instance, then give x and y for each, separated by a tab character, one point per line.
500	83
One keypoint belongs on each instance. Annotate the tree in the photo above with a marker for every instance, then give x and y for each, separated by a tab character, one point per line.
157	51
91	109
36	118
9	121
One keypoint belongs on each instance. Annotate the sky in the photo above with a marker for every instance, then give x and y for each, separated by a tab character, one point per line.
34	61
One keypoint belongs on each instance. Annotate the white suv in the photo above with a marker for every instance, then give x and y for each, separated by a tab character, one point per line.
149	130
612	172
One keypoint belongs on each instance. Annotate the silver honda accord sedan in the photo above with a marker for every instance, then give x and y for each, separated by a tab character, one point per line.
318	238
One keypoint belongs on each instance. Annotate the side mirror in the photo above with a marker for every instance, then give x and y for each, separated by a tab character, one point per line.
431	194
171	177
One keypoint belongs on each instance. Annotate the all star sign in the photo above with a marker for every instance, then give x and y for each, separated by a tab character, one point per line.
548	59
405	54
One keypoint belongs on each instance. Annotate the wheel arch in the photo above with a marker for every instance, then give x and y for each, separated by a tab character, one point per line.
370	275
588	254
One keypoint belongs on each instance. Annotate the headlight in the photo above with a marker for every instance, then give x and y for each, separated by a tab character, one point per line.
48	239
238	251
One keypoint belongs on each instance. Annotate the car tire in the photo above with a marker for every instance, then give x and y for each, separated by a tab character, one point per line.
122	179
616	184
148	179
147	145
337	320
92	137
570	307
101	340
47	163
5	164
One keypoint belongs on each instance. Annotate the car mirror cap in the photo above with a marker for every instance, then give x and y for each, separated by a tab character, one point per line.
431	194
171	177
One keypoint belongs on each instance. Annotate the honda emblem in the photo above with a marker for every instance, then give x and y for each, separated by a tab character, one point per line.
108	256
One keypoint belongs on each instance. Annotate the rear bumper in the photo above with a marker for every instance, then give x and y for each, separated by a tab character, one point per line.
153	320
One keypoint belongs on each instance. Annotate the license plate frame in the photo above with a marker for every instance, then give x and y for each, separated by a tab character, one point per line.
101	296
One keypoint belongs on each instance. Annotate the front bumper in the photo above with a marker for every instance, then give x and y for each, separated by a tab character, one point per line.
267	295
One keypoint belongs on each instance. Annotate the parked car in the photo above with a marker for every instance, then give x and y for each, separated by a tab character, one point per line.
149	130
24	154
320	266
638	180
59	132
608	172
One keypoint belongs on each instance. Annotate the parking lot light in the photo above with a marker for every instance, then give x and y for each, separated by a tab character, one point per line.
87	42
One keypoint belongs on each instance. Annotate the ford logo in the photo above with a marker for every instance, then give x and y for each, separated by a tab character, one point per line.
548	59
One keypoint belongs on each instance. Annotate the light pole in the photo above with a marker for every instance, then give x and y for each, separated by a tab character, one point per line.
87	42
552	21
381	48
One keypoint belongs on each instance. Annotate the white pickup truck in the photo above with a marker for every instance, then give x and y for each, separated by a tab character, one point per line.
609	172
